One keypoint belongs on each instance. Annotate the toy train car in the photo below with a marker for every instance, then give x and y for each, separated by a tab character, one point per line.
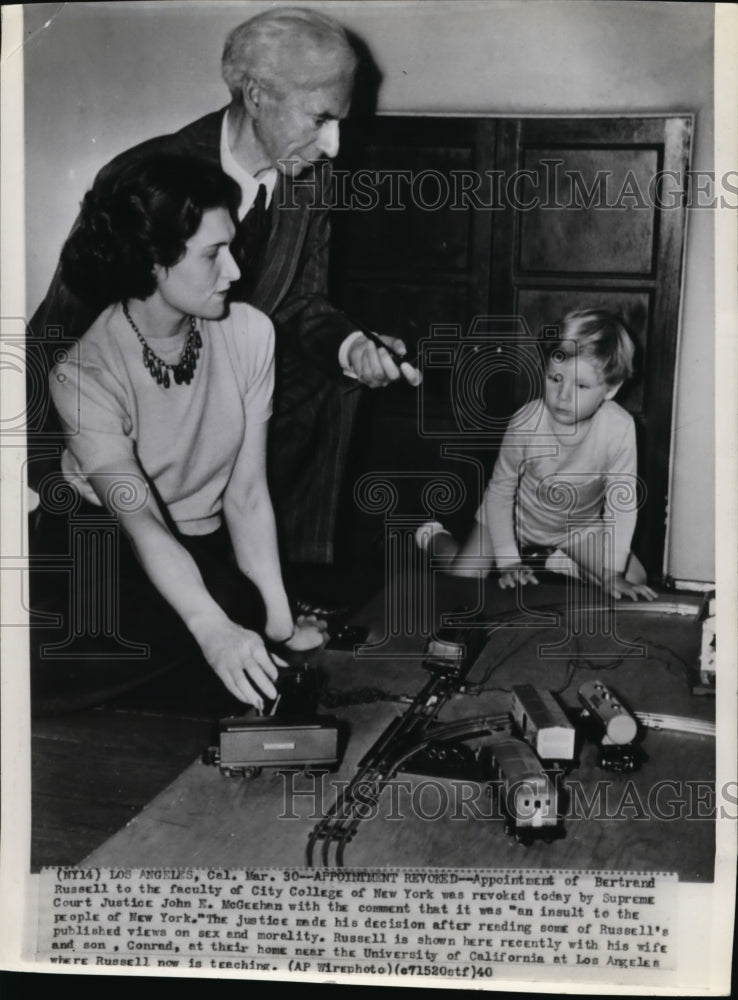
444	652
617	727
541	721
528	796
246	745
454	648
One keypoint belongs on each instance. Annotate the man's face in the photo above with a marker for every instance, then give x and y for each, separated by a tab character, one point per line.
302	126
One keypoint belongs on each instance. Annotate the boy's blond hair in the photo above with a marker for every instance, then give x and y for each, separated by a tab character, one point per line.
601	338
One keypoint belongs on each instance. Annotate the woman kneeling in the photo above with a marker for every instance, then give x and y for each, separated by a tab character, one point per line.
166	404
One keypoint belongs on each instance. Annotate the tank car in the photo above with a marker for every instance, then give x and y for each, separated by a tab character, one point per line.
616	725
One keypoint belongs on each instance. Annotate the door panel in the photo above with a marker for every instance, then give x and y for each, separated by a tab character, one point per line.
585	209
413	186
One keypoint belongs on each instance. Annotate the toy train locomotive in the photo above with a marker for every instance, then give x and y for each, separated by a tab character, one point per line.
528	794
527	773
524	773
527	765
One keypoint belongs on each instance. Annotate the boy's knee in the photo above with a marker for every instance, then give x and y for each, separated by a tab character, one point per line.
432	536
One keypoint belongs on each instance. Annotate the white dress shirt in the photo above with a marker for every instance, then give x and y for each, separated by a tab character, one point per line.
249	186
247	182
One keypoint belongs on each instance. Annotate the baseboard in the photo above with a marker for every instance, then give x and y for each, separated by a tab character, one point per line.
700	587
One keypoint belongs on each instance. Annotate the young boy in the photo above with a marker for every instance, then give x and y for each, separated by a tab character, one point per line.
564	486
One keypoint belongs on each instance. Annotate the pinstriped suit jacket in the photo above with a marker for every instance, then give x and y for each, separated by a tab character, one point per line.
313	413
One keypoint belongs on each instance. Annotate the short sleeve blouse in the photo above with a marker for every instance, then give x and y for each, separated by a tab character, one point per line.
185	438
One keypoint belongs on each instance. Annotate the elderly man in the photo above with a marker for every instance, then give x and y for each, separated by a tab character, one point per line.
290	75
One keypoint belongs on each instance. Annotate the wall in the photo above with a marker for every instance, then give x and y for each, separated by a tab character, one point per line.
102	76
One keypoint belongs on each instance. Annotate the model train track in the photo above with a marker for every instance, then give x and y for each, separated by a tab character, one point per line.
449	660
362	795
409	735
676	723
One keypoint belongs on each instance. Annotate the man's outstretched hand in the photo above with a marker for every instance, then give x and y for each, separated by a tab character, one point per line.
375	367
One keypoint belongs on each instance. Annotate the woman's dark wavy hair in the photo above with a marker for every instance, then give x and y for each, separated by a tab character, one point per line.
141	216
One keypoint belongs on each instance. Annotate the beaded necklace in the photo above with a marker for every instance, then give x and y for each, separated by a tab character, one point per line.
184	369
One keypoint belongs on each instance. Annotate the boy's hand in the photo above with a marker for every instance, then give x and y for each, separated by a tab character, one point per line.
619	587
515	576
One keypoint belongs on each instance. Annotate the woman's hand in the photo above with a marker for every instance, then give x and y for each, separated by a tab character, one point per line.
515	576
239	657
310	633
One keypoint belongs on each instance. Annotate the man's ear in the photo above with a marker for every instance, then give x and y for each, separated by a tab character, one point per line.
252	93
613	390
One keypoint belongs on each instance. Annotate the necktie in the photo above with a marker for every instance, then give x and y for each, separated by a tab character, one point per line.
249	243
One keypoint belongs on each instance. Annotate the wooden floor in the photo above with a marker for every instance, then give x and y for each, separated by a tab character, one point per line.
94	770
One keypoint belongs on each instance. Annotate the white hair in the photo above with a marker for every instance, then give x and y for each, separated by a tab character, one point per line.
285	49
